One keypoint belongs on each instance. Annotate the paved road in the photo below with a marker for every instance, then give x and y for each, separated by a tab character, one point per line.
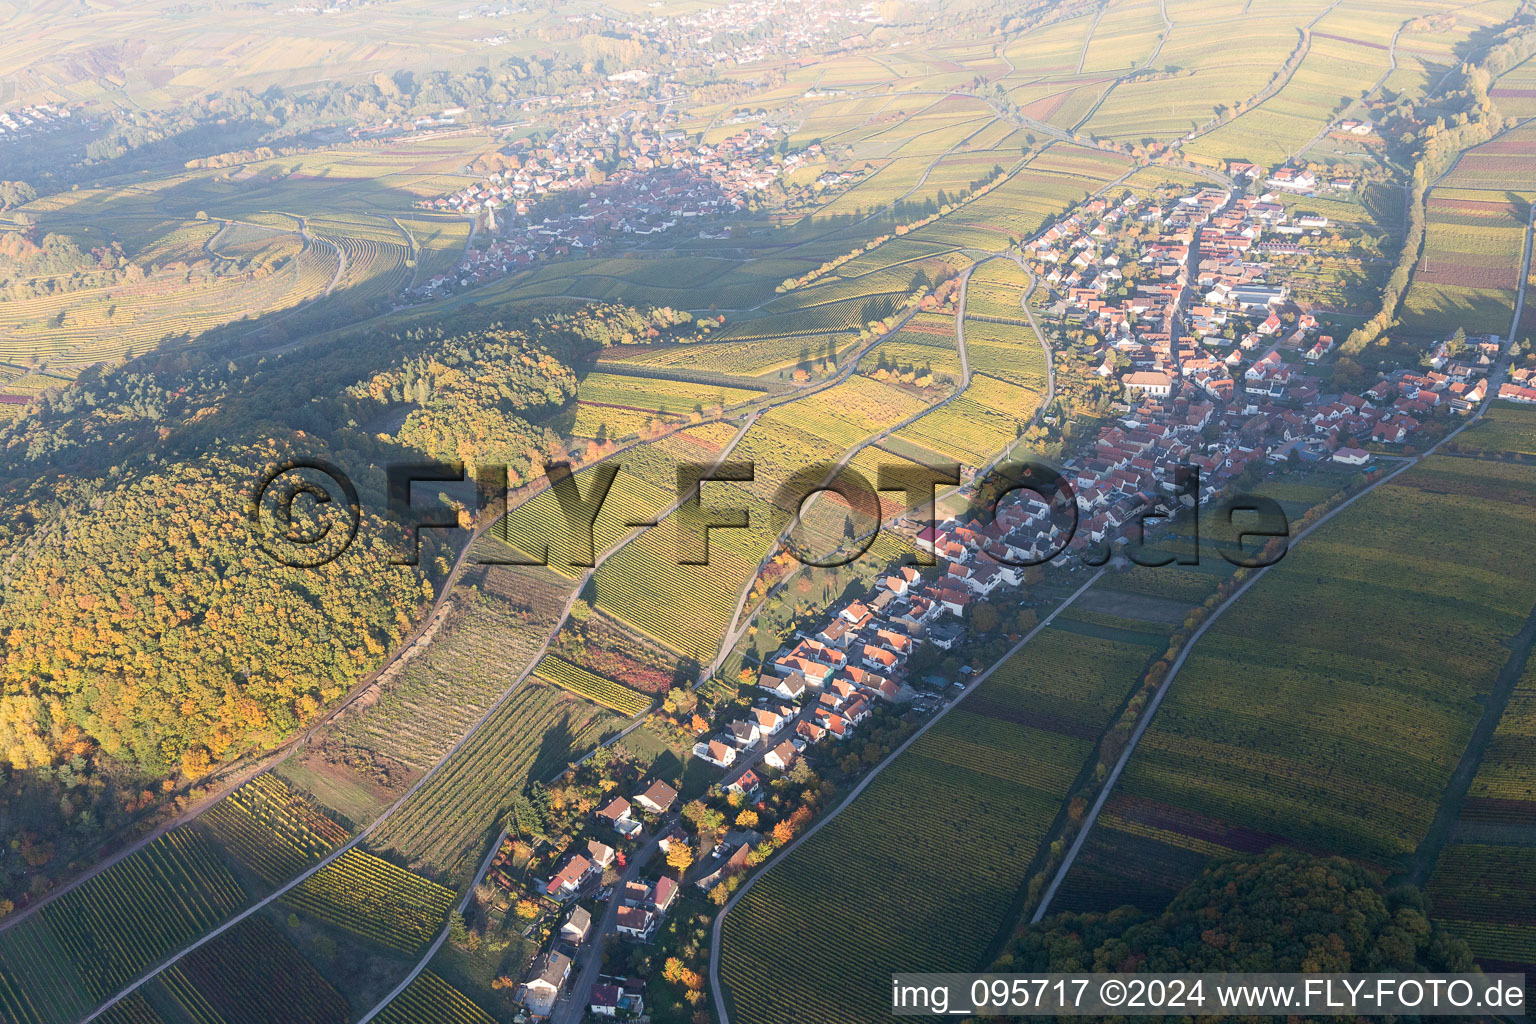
719	925
573	1007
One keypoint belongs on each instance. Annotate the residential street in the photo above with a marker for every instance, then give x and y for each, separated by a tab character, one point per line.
589	959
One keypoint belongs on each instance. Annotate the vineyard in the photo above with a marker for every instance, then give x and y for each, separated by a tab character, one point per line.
431	1000
230	980
135	1009
476	655
990	777
1515	90
988	416
534	734
1334	63
1297	721
594	687
687	607
374	900
1484	883
85	945
611	406
96	323
1468	273
1503	428
271	830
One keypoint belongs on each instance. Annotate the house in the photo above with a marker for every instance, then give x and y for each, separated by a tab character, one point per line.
617	815
767	721
545	979
716	753
637	922
610	996
675	834
657	798
570	878
735	863
790	687
781	756
744	733
600	854
577	924
604	1000
747	783
665	893
1352	456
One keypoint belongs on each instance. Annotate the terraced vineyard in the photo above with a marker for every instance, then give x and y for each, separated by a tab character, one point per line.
988	779
374	900
271	830
1292	723
532	736
592	686
431	1000
85	945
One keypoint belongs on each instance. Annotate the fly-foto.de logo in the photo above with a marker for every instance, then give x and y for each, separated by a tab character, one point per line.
1024	512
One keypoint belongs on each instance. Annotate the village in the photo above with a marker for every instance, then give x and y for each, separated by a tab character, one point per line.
660	177
27	122
1219	371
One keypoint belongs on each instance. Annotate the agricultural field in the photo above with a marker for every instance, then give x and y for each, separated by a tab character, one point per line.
431	1000
437	243
991	776
610	406
1331	73
612	695
230	980
83	946
1470	268
1293	724
271	830
477	654
441	829
644	488
1503	428
1124	38
989	415
1216	61
373	899
924	347
640	583
1515	91
1482	884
